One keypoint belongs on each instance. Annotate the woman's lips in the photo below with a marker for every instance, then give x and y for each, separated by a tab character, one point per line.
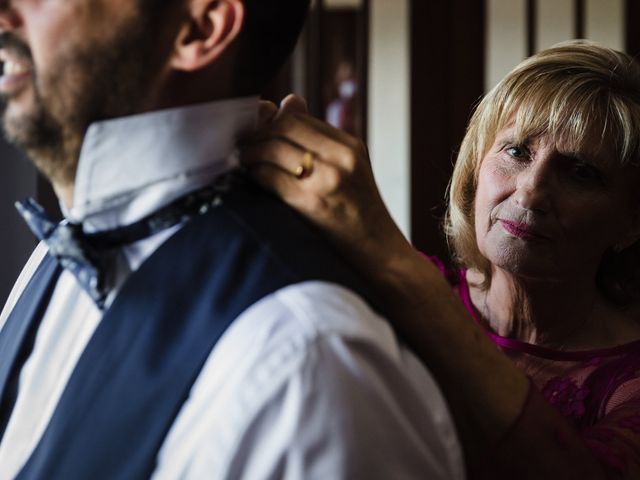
520	230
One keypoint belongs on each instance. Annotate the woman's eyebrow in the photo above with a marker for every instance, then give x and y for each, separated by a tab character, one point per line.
577	154
581	154
507	138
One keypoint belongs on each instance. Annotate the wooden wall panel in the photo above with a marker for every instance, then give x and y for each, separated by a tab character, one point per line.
389	105
604	22
632	27
555	22
447	79
507	41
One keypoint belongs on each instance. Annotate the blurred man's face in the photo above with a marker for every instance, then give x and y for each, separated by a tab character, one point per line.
68	63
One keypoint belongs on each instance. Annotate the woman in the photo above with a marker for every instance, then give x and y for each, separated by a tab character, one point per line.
544	221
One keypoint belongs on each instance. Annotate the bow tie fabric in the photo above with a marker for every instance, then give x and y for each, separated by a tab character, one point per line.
68	244
89	256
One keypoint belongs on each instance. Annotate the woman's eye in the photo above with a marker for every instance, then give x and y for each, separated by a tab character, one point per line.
586	173
516	152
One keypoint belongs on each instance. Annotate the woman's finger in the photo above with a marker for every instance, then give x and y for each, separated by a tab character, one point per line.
278	151
317	178
267	111
292	104
293	160
329	130
327	144
280	182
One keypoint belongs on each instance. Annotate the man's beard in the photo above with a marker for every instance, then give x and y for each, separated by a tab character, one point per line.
35	131
101	80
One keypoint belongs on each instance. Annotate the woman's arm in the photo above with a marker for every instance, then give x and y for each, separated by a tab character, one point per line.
489	397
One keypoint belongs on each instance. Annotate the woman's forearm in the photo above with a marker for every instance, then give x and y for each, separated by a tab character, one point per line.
464	360
485	390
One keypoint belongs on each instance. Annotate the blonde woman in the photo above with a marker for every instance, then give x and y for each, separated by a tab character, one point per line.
535	337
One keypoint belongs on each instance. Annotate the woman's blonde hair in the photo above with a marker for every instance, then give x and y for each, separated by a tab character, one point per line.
575	92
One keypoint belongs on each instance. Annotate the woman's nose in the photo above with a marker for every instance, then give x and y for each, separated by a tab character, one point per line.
534	187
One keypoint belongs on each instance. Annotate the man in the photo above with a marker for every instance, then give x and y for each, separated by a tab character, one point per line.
195	331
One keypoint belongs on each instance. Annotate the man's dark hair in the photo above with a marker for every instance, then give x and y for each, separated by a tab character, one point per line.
270	33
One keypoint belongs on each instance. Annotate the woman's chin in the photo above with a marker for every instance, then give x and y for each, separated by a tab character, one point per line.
527	265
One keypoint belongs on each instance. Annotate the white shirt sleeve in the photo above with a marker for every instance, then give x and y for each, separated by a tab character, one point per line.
310	384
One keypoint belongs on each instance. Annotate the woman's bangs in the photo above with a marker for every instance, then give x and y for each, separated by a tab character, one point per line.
576	116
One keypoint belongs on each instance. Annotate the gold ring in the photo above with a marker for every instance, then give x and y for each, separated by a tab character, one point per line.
305	169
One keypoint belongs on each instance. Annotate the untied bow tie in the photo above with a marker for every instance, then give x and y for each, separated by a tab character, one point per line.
88	256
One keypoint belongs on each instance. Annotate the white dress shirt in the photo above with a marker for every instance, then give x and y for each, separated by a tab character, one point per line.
307	383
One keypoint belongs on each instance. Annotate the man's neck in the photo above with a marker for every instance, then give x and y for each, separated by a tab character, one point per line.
64	194
60	168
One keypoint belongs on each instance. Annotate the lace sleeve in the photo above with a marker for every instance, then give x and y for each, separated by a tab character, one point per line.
608	450
615	439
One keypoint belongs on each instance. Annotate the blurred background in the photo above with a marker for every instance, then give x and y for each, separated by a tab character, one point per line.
403	75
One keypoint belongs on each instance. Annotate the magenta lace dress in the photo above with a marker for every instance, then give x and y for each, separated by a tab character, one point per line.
596	391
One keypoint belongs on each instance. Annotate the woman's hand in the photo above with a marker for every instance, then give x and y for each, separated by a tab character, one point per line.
325	174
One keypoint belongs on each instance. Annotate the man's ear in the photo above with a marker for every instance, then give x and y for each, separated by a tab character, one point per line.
213	26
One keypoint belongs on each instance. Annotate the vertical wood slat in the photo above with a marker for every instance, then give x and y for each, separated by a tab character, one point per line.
605	22
507	38
579	18
315	52
555	22
531	27
446	81
389	105
363	37
632	26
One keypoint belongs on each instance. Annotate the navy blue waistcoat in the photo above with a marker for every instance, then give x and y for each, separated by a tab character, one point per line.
139	366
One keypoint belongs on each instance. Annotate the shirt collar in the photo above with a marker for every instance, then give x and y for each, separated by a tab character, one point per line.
131	166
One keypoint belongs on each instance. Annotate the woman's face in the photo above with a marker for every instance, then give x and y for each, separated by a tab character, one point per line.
547	213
